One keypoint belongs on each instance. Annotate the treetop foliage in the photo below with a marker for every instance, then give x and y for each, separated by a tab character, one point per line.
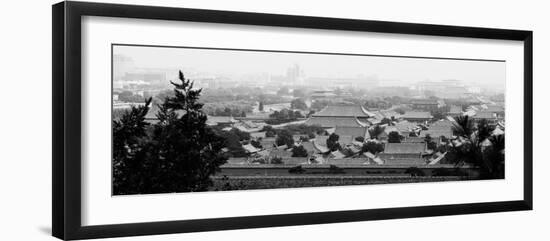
179	153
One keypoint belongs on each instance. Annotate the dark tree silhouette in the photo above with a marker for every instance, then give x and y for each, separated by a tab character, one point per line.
332	142
299	151
298	103
284	137
386	121
495	156
375	131
179	154
463	126
372	147
129	138
394	137
269	131
474	149
431	145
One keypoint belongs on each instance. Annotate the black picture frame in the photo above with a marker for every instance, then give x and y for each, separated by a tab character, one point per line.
66	75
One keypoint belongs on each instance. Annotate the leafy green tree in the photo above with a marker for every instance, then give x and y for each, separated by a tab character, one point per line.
430	142
178	154
472	148
243	136
233	141
494	157
283	116
372	147
332	142
261	106
375	131
394	137
284	137
463	126
277	160
299	151
483	129
256	144
129	139
298	103
269	131
386	121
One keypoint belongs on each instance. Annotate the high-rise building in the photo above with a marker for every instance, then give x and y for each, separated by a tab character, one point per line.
295	75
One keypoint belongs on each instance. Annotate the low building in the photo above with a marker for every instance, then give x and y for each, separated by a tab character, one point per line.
352	132
250	149
425	104
403	150
437	133
331	122
320	148
267	142
390	114
258	135
344	110
284	154
417	116
387	130
340	115
438	129
497	109
489	116
406	127
455	110
221	121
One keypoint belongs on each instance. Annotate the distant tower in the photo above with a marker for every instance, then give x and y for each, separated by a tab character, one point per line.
295	75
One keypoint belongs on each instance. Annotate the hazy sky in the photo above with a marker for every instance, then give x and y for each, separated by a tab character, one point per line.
407	70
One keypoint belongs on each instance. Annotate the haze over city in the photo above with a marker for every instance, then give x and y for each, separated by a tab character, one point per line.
388	71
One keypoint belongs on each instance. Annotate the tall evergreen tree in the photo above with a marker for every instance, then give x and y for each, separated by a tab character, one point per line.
179	155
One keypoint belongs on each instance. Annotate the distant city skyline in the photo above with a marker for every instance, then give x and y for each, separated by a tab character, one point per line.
406	71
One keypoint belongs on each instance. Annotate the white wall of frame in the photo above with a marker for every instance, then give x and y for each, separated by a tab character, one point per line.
25	146
99	207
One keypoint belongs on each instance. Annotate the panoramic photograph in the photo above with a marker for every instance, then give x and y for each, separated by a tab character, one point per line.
190	119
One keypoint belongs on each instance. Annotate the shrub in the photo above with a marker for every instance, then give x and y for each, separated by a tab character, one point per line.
299	151
277	160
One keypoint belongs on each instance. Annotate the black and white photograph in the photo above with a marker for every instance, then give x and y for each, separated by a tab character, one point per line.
195	119
275	120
